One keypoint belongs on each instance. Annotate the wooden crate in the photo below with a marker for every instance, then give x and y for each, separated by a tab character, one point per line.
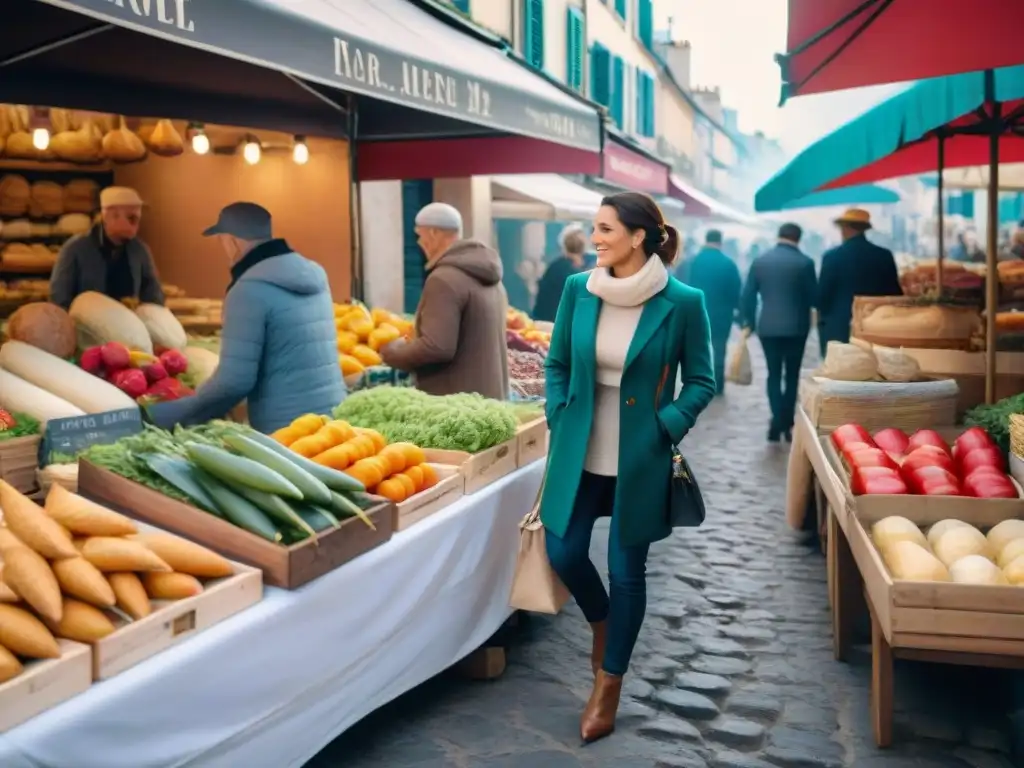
44	684
450	488
283	566
479	469
827	468
531	441
19	459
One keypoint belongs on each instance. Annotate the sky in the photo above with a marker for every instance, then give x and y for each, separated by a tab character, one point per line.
733	45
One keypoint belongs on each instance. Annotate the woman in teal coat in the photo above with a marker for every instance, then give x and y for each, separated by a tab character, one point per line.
622	332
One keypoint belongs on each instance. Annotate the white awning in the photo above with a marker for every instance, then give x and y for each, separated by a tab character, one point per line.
700	205
1011	177
542	196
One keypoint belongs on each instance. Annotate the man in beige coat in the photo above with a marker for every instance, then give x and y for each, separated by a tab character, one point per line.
459	344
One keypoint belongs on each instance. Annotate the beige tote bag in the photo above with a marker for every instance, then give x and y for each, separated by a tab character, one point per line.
535	586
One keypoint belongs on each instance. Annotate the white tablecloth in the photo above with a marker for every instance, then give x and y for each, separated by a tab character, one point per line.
273	685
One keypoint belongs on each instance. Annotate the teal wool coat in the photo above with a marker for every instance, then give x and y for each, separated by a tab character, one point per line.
673	332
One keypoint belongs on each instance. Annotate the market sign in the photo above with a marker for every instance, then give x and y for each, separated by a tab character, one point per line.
269	34
76	433
632	170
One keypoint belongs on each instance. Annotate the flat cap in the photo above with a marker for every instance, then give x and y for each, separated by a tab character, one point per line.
440	216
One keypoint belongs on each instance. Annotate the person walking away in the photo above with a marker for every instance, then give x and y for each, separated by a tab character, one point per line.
278	346
621	332
966	248
109	258
459	345
784	280
714	273
857	267
549	289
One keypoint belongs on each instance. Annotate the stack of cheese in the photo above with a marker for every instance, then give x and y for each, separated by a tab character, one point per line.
77	570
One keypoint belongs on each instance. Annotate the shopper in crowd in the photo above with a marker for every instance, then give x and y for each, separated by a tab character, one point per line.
714	273
278	348
622	333
459	345
783	279
573	242
858	267
109	258
966	247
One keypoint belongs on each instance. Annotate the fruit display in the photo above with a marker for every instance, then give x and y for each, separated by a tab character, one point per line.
361	334
396	471
951	550
891	462
144	377
240	475
76	570
519	326
14	425
462	422
526	372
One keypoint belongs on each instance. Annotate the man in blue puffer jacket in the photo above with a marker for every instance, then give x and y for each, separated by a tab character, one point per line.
279	344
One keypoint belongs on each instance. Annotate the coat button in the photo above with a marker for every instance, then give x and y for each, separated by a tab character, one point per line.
631	401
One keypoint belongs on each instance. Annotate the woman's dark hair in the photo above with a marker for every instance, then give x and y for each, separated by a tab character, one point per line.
638	211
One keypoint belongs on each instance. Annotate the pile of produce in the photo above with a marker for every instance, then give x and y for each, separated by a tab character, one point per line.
526	372
519	327
239	475
14	425
140	375
952	551
463	422
995	418
361	334
890	462
76	570
396	471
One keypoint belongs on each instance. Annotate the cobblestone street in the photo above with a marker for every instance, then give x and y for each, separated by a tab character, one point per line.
734	665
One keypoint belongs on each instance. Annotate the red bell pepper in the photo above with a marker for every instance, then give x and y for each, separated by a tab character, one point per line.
975	437
927	437
931	480
987	483
876	480
927	456
986	456
892	441
850	433
871	457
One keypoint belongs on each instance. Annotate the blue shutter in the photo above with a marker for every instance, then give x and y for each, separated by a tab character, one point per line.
533	32
415	195
645	23
967	204
462	5
641	102
600	75
617	95
620	7
652	101
509	234
574	48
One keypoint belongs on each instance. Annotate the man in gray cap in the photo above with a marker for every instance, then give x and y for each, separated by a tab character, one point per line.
459	345
278	346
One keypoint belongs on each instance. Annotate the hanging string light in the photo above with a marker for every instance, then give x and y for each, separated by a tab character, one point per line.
300	152
200	141
251	151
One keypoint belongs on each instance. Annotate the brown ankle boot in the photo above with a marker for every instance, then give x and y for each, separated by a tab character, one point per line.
600	629
599	717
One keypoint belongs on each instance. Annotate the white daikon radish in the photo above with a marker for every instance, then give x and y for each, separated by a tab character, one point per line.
63	379
1005	532
975	569
1014	572
908	561
892	529
1010	552
18	395
936	531
959	542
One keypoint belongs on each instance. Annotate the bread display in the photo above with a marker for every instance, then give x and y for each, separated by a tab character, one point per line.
15	195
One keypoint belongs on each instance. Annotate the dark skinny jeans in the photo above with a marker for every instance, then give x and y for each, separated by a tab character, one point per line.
624	609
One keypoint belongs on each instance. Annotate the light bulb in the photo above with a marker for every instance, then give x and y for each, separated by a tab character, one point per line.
41	138
300	153
251	152
200	143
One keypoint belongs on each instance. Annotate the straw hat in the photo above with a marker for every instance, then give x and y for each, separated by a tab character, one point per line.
115	196
855	216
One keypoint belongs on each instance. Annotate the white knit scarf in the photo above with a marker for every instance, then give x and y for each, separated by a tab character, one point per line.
629	291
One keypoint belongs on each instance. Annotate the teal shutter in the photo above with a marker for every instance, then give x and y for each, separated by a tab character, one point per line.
620	7
509	234
652	100
645	23
641	103
415	195
617	107
574	48
533	32
601	75
462	5
967	204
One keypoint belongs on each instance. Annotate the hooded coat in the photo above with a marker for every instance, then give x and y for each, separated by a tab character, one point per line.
459	344
278	349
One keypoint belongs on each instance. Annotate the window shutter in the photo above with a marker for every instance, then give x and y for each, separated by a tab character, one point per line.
620	7
462	5
574	48
600	75
652	101
641	103
415	194
645	23
533	32
617	95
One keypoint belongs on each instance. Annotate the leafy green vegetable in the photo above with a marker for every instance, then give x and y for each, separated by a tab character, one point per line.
462	422
24	426
995	418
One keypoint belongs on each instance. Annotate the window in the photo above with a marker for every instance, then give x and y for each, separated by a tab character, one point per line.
620	7
645	23
574	48
645	100
533	32
601	75
618	94
462	5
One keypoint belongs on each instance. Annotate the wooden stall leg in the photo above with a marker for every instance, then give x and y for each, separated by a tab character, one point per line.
881	685
847	590
822	507
830	567
486	663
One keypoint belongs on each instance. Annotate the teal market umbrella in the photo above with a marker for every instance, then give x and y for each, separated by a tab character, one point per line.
862	194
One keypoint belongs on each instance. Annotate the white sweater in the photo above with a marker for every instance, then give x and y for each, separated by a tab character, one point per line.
622	303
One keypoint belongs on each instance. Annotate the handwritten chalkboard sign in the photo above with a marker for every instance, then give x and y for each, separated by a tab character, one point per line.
76	433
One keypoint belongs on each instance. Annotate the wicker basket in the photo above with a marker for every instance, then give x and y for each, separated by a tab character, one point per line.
19	458
877	405
863	306
61	474
1017	434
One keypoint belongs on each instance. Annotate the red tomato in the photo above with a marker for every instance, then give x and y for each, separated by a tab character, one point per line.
927	437
871	457
975	437
927	456
986	483
876	480
892	440
923	479
986	456
850	433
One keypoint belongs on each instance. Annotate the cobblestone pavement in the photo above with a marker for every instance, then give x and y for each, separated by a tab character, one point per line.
734	665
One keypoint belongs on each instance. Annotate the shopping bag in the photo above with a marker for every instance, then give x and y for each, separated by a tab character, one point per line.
740	371
535	586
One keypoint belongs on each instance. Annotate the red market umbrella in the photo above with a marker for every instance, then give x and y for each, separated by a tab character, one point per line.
837	44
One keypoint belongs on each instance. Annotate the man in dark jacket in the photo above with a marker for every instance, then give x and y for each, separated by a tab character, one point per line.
784	280
459	344
855	268
718	277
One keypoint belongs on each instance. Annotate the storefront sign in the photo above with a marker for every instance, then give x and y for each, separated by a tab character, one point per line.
268	33
76	433
632	170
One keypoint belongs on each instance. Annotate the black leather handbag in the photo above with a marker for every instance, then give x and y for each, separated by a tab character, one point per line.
686	503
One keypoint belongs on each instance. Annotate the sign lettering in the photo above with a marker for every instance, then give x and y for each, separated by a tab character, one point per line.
170	12
636	170
76	433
